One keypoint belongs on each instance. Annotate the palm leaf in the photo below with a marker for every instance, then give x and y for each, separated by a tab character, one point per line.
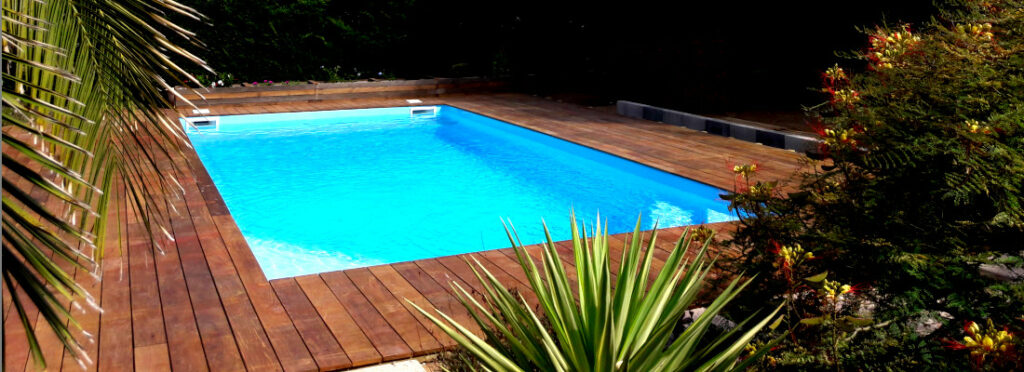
84	85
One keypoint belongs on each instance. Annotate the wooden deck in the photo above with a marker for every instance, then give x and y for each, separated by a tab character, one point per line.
204	304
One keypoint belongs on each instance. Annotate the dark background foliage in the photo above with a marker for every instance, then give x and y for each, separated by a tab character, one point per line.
700	56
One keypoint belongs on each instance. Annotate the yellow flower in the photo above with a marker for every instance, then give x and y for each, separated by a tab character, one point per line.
975	126
836	73
987	343
969	341
745	170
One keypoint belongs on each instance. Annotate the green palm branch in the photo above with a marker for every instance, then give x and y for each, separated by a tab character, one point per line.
84	83
605	323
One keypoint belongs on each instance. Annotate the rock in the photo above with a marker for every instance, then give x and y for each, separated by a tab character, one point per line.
718	321
929	322
1001	272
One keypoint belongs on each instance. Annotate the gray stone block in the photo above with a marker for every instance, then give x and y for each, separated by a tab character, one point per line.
801	143
621	107
653	113
743	132
718	127
674	117
771	138
631	109
694	122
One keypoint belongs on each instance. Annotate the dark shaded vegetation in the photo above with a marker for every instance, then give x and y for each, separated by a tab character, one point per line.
902	249
698	56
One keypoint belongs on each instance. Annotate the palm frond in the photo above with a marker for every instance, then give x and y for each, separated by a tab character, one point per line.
84	85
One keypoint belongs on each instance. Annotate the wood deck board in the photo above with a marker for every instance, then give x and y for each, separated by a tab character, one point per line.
318	338
206	304
226	299
115	333
394	312
389	344
352	340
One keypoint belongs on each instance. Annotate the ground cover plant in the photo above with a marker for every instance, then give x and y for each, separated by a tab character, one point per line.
916	204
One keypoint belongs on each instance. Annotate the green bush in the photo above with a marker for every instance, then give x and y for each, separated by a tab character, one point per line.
921	183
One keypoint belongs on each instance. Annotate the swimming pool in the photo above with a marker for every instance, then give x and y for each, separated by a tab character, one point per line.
333	190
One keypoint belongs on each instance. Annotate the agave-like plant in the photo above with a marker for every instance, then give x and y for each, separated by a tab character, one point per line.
84	82
625	323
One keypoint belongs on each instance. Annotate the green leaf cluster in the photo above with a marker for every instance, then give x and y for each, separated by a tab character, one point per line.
598	321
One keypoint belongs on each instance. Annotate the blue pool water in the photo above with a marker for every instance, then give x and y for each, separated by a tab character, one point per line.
332	190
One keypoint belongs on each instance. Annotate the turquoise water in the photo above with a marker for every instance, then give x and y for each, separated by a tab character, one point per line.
333	190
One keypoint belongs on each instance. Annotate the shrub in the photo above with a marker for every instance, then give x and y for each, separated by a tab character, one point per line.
625	323
920	183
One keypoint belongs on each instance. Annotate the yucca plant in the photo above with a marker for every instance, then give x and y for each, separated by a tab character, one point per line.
605	323
84	82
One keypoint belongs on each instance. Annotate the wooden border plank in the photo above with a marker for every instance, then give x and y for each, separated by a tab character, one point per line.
391	308
388	343
318	338
353	341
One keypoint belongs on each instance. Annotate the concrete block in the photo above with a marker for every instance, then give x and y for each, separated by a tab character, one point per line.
631	109
801	143
718	127
673	117
694	122
653	114
743	132
771	138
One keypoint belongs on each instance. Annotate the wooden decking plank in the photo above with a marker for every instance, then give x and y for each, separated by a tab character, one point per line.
389	344
197	331
88	318
440	298
418	337
115	338
353	341
318	338
508	265
48	341
211	263
152	358
87	315
16	348
248	329
147	315
282	333
440	273
457	265
6	294
405	292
